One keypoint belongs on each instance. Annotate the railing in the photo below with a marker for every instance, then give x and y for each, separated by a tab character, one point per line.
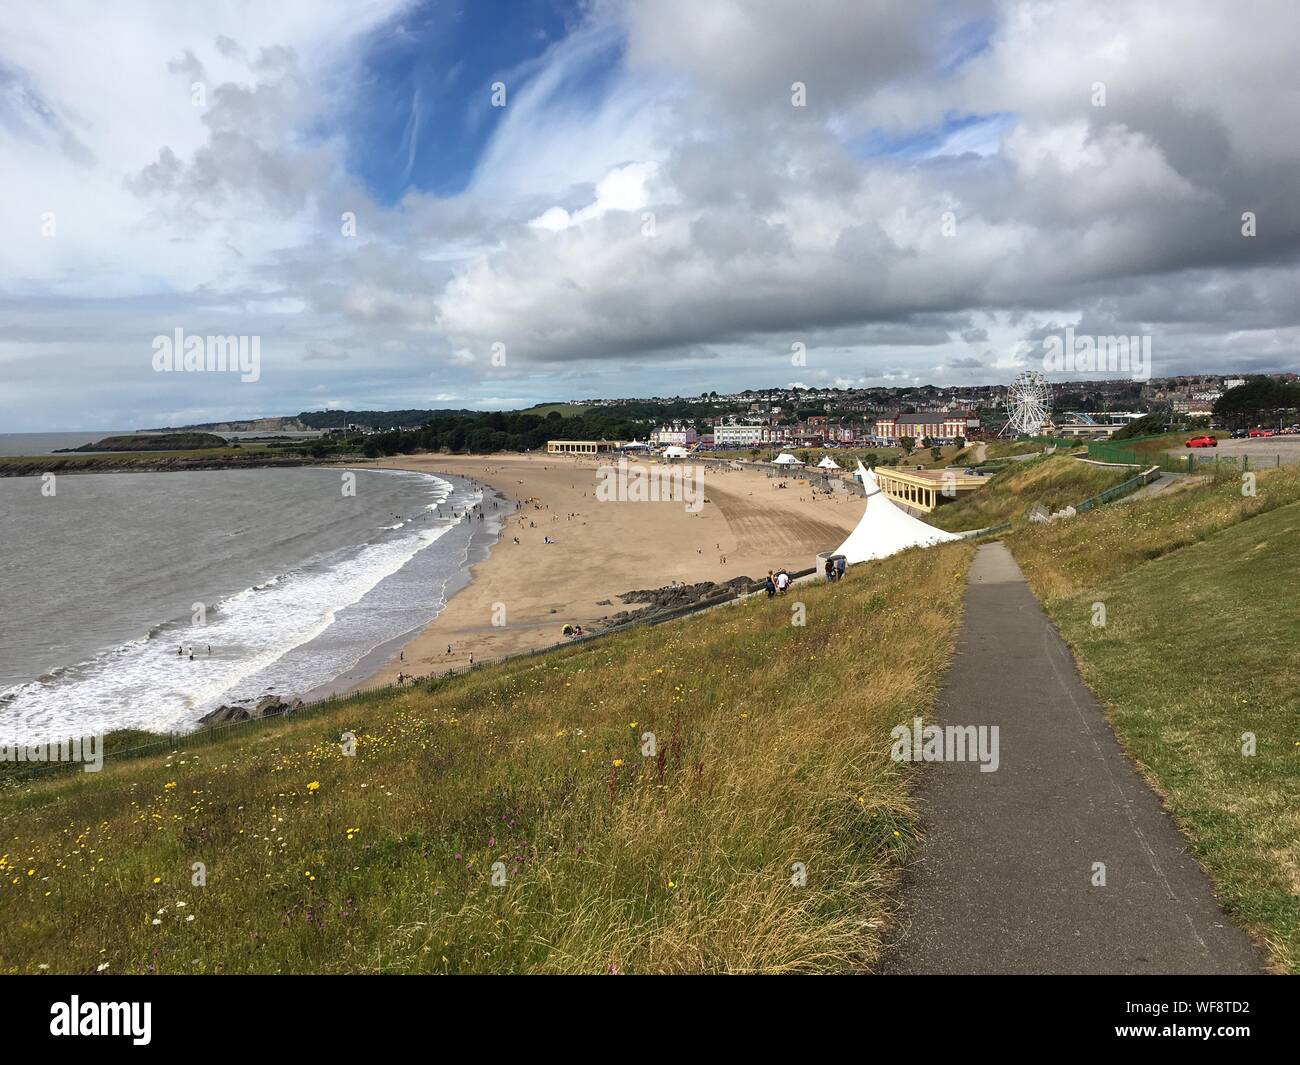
1122	489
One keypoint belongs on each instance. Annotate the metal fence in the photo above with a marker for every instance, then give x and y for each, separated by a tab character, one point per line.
1122	489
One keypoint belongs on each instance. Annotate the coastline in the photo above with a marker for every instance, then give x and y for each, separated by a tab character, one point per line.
518	595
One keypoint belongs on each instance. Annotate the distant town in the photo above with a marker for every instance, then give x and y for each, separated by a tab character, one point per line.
793	416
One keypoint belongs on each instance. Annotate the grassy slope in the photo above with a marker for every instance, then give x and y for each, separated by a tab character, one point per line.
1199	647
1055	482
775	751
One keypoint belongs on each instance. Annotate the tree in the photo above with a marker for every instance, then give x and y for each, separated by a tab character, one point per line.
907	443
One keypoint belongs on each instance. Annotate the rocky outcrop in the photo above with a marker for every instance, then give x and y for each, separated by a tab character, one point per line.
267	706
674	597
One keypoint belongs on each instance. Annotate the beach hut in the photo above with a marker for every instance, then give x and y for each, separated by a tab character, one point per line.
886	528
828	463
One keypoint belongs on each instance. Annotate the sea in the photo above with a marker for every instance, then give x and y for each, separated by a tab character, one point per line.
293	582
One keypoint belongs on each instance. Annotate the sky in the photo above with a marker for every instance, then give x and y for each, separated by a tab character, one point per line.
493	203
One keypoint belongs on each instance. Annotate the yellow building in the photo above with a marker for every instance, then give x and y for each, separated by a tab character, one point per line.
581	447
926	489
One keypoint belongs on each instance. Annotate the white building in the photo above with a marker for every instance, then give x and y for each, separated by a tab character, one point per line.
676	434
737	435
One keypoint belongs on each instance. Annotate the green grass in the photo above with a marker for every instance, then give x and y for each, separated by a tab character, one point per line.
1201	644
1055	482
773	744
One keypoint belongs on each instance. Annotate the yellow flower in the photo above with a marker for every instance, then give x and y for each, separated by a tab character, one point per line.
314	786
157	880
169	785
618	762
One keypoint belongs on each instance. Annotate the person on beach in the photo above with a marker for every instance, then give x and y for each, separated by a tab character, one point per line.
770	585
782	581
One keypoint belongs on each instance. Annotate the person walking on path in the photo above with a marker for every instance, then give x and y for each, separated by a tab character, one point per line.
769	585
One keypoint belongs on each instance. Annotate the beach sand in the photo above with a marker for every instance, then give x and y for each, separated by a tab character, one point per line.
605	549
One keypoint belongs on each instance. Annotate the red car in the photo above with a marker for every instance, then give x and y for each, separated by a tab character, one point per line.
1260	432
1203	441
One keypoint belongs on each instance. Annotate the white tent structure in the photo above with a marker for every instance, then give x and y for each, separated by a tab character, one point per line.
828	463
786	459
886	528
675	452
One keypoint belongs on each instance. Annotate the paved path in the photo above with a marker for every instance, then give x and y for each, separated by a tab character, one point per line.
1003	881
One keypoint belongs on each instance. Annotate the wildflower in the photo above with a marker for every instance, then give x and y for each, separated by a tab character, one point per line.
618	762
157	880
101	967
169	785
314	786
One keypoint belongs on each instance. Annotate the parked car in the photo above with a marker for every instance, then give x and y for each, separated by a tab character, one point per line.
1239	434
1260	432
1203	441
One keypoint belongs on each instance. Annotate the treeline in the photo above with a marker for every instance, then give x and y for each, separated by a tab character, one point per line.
1258	397
489	431
371	419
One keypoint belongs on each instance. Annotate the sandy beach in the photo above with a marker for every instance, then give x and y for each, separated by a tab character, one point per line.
746	527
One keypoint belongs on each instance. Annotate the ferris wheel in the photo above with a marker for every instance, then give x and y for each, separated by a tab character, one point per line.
1029	404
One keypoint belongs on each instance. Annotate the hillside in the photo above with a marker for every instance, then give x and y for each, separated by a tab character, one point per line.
760	835
1054	482
154	442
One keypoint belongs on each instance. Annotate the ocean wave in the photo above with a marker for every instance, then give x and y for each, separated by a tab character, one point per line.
144	683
